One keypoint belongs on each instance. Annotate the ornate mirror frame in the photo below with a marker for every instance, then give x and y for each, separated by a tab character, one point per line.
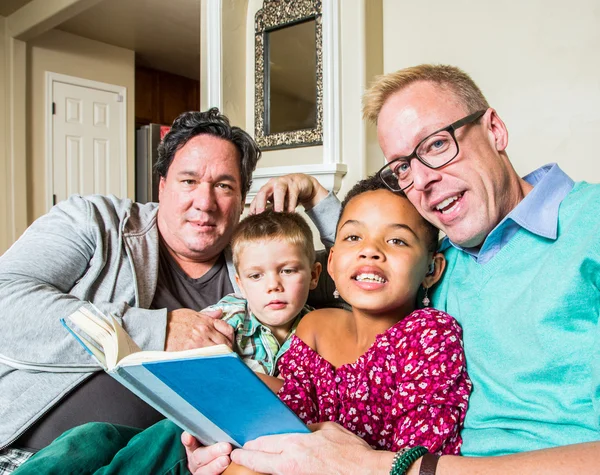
276	14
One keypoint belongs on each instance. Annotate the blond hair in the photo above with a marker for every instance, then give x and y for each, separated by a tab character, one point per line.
289	227
450	77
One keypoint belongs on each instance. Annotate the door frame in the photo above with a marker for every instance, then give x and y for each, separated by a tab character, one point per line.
51	78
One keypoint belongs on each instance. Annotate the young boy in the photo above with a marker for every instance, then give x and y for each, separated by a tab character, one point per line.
274	258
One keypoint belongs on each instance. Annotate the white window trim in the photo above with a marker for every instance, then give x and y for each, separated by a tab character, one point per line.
214	64
331	169
329	176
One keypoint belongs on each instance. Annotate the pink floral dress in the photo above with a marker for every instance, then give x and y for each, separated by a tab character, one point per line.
410	388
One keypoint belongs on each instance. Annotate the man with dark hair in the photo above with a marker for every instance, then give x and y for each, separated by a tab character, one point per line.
151	266
211	122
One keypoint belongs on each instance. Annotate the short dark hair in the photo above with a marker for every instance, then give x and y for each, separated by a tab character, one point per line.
374	183
211	122
289	227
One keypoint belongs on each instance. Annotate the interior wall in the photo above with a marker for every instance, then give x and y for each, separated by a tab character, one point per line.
352	79
374	67
64	53
4	203
13	204
361	58
537	63
234	60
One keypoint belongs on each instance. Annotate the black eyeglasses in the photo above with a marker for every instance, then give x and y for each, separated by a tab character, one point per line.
434	151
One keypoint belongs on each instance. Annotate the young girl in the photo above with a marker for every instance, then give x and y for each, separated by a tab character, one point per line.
390	373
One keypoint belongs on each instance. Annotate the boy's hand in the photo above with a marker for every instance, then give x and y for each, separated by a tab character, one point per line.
211	460
288	191
187	329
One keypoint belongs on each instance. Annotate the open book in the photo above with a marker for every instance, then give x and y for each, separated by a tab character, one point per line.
209	392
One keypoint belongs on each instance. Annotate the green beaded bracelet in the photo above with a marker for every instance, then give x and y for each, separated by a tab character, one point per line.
405	458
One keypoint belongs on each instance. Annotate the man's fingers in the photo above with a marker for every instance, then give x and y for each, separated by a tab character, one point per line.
202	335
205	455
279	195
210	334
273	444
257	461
215	467
190	442
211	460
259	203
292	200
287	192
216	313
223	334
225	329
189	329
219	339
278	191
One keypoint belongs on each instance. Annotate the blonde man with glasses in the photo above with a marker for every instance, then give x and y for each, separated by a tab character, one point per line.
522	279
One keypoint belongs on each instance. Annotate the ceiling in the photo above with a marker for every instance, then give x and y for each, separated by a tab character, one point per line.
10	6
165	35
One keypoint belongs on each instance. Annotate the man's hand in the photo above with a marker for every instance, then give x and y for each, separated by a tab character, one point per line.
211	460
287	192
330	449
187	329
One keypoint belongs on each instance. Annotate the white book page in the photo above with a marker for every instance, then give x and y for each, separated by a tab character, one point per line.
125	345
108	334
120	349
146	356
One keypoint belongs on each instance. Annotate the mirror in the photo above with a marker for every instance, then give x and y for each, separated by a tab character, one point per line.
288	68
291	63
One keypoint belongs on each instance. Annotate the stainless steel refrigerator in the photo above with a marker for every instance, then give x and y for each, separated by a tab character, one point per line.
147	139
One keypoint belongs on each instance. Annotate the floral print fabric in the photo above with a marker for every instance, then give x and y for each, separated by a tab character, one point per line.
410	388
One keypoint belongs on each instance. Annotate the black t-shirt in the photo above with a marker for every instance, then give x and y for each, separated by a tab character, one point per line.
175	289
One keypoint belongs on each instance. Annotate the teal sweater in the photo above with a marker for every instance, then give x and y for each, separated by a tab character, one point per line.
530	319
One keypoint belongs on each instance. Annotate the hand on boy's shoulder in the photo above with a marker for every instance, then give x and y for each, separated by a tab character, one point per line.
320	324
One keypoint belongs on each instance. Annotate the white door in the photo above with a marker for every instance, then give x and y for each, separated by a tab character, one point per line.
88	140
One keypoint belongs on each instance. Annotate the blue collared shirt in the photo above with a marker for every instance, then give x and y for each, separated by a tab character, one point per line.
537	213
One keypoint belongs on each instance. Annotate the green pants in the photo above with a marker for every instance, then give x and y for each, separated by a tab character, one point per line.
105	449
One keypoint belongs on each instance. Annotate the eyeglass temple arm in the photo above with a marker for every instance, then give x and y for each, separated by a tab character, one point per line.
470	118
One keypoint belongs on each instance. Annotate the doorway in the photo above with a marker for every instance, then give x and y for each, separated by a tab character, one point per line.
86	133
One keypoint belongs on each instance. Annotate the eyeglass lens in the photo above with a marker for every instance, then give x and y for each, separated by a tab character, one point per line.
435	151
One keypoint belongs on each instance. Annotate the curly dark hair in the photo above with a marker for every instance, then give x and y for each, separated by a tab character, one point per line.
211	122
374	183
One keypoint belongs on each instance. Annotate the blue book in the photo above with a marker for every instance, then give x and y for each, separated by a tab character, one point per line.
208	392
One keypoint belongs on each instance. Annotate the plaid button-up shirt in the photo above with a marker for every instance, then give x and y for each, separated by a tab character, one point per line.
255	343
